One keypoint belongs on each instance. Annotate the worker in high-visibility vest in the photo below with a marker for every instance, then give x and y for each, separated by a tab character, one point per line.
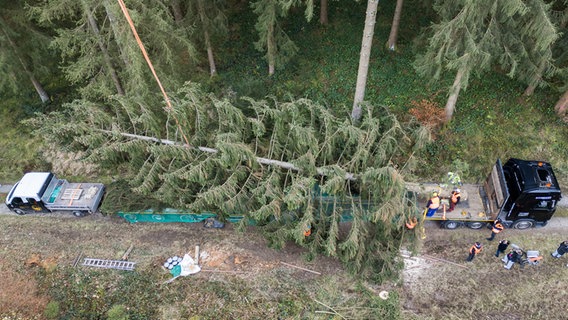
475	249
497	227
454	199
433	204
308	231
411	223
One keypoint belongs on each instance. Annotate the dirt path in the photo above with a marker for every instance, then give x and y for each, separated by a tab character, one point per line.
64	237
437	280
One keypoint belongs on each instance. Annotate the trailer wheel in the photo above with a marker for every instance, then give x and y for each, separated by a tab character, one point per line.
475	225
523	224
80	214
19	211
450	224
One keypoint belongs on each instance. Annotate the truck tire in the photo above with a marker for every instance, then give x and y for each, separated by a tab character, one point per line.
19	211
451	224
80	214
475	225
523	224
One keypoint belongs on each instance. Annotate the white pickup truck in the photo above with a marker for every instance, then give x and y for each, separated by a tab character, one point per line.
42	192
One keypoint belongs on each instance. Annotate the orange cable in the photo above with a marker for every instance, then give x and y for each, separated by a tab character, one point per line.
141	45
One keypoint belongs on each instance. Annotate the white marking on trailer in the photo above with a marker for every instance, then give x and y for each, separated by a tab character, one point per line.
71	194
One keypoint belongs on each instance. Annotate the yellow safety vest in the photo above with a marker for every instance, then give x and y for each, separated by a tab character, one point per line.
435	203
455	196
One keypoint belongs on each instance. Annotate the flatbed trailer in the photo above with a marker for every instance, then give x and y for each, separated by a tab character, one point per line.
520	193
74	196
470	211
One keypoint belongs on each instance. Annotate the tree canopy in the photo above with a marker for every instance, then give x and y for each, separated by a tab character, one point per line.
231	181
323	165
474	36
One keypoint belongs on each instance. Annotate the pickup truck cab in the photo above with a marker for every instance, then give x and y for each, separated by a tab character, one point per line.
42	192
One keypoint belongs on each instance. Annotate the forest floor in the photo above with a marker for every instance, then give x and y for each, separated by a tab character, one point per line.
440	284
437	282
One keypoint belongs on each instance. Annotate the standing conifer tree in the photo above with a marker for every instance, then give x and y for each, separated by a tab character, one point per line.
22	50
364	57
393	36
212	23
273	40
99	51
475	35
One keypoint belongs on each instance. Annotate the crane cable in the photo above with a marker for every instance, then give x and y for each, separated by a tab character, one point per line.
169	107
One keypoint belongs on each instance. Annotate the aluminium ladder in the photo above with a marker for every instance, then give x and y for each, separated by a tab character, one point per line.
109	264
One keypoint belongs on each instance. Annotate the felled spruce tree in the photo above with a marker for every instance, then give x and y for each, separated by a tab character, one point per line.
289	166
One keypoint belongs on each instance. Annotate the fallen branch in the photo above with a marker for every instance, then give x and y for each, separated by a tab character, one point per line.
224	271
330	308
127	253
170	280
293	266
443	260
76	262
197	255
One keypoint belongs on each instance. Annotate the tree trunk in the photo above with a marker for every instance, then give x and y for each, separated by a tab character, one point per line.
176	9
115	31
536	80
39	89
454	93
104	51
265	161
364	57
271	48
561	106
43	95
529	90
212	67
323	13
391	44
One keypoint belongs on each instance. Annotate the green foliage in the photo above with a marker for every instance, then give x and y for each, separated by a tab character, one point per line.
23	50
118	312
21	151
496	122
52	310
474	36
307	138
119	197
99	52
273	39
90	293
310	134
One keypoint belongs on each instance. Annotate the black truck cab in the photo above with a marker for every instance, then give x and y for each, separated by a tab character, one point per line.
533	193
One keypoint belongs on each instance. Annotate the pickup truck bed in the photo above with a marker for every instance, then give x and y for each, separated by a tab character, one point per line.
74	196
